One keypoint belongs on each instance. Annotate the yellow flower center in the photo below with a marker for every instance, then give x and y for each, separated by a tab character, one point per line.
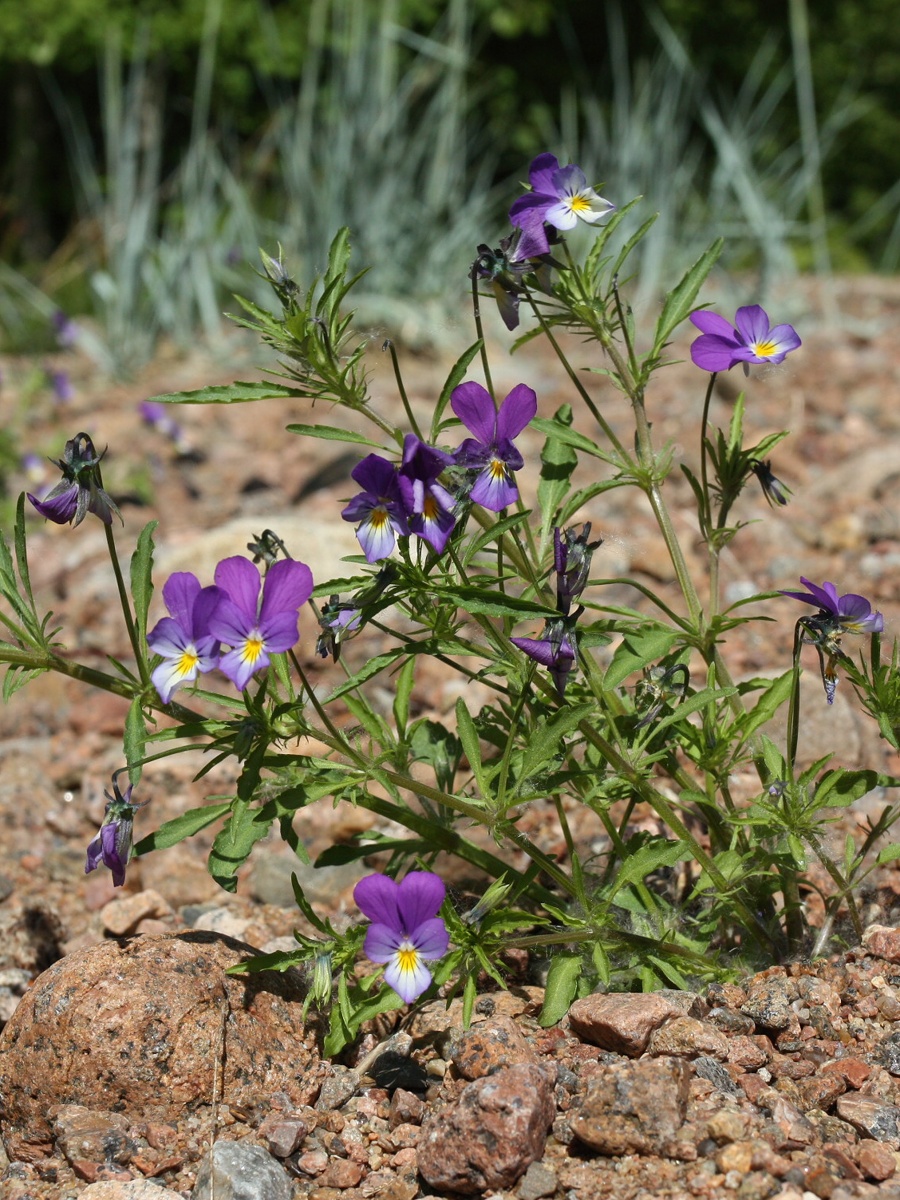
497	468
763	349
430	509
188	661
407	958
253	648
579	203
379	517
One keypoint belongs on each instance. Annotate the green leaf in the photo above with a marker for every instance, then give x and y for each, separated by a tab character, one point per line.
888	854
181	827
404	685
232	393
639	649
456	376
492	534
339	856
571	437
135	740
142	578
543	741
654	853
680	301
495	604
562	983
244	828
838	788
372	667
332	434
558	461
468	736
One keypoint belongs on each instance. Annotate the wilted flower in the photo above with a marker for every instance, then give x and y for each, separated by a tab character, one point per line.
183	638
554	649
338	620
491	451
572	554
775	491
560	197
111	845
428	505
80	490
850	613
255	629
752	341
379	509
406	931
505	268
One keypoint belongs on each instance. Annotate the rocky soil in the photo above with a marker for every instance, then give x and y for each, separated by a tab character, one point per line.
128	1051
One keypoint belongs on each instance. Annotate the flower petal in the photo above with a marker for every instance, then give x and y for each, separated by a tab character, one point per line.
280	631
408	976
711	352
431	938
495	487
376	898
752	323
382	942
542	173
710	322
516	411
473	405
179	593
419	897
240	579
288	585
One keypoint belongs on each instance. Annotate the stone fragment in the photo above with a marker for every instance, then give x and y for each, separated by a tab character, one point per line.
99	1137
727	1126
489	1046
793	1129
736	1156
853	1071
746	1052
821	1091
731	1021
490	1135
633	1107
708	1068
686	1037
406	1109
622	1022
132	1189
769	1000
882	941
143	1027
340	1173
887	1054
283	1133
876	1161
337	1088
240	1171
871	1117
122	915
537	1182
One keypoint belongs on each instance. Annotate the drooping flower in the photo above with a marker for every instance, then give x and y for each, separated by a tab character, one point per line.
554	649
338	621
776	492
559	197
112	843
80	490
406	931
572	554
491	451
257	629
504	268
183	638
379	508
850	613
751	340
428	505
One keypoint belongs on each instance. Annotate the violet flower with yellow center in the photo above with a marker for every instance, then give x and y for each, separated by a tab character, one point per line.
378	509
751	340
406	931
254	628
183	638
491	451
559	197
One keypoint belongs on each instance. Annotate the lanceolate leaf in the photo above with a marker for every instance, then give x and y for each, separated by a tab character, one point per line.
232	393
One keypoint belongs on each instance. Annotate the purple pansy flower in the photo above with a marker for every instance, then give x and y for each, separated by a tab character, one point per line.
560	197
850	613
491	451
554	649
183	638
379	509
80	490
751	341
406	931
111	845
428	505
338	621
257	630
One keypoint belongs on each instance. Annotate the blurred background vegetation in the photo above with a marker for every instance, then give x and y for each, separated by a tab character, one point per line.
150	148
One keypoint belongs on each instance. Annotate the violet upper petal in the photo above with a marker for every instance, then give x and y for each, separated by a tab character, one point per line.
376	475
516	411
752	323
542	173
711	352
376	898
179	593
229	623
240	579
288	585
419	896
711	322
473	405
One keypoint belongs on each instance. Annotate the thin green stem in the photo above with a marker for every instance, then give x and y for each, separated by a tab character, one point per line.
407	408
139	656
476	314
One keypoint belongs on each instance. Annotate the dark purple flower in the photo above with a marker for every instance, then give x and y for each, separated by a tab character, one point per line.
572	562
111	845
61	385
428	505
158	416
559	197
775	491
752	341
554	649
850	613
256	630
406	931
80	490
183	638
379	509
338	621
491	451
505	268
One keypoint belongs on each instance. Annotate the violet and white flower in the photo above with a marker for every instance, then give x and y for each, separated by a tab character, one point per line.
406	931
255	629
80	490
751	340
491	451
428	505
183	638
379	508
850	613
112	843
559	197
554	649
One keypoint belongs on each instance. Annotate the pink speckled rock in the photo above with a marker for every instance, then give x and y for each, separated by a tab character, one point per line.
137	1026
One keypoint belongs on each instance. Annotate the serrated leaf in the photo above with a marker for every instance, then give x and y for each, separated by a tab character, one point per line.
680	301
244	828
181	827
468	736
838	788
888	854
560	989
495	604
639	649
141	572
456	376
543	741
493	532
331	433
558	461
135	740
232	393
372	667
